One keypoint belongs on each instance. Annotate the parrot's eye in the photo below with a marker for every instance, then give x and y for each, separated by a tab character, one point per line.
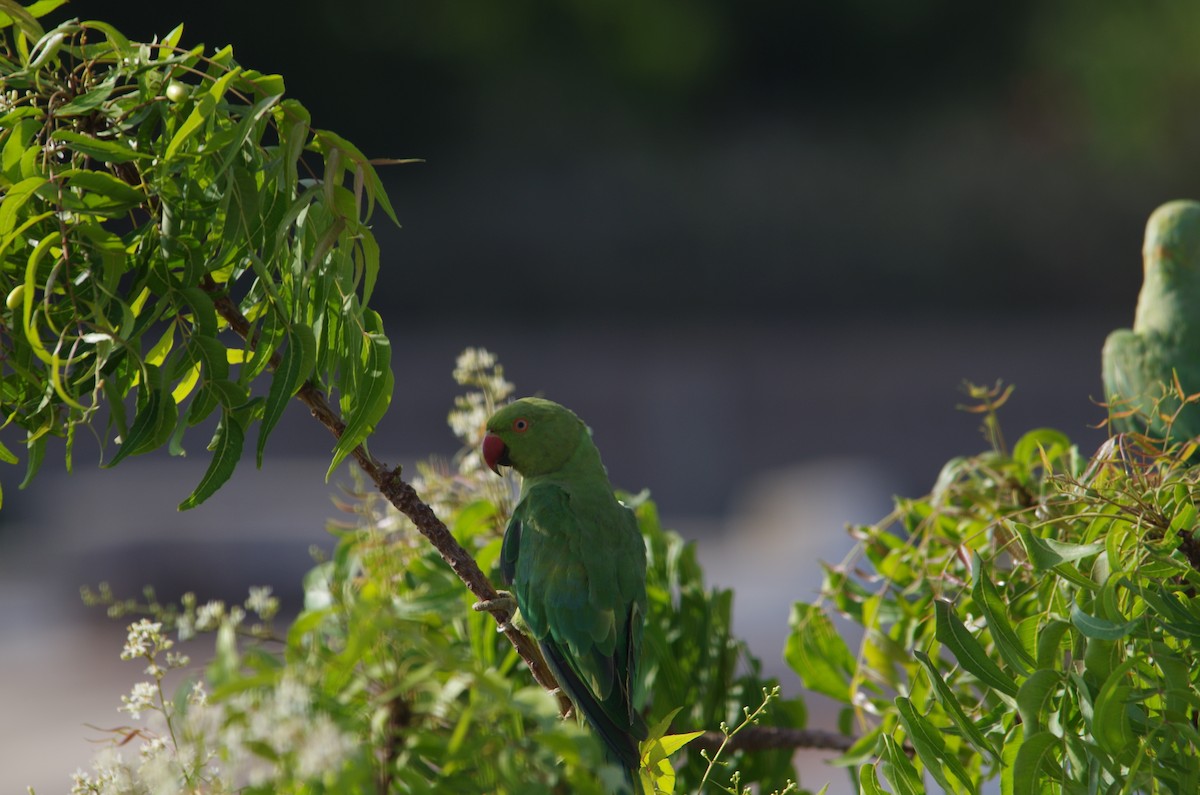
520	425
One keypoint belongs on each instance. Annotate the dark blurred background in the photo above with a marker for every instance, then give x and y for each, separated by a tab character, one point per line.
757	245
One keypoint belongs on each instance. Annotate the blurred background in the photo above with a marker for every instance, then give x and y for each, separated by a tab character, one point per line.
758	246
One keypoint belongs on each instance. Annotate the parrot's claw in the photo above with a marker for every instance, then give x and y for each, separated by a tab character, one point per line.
504	602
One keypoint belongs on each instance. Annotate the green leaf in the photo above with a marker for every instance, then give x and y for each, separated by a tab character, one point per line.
12	12
1034	758
1030	447
227	450
1101	628
100	193
201	112
868	783
295	366
989	600
373	391
1049	641
952	633
37	451
6	455
102	149
1045	553
899	771
156	416
817	653
930	747
87	102
1033	694
949	702
1111	726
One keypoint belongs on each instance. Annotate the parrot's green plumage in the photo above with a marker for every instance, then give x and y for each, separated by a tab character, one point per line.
1140	365
577	565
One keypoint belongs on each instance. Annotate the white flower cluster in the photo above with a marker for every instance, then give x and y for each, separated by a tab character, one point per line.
259	737
478	368
145	639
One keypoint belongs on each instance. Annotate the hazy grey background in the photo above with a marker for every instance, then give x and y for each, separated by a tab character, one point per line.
757	245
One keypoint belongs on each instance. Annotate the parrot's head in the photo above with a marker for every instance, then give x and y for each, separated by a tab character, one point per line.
533	436
1171	251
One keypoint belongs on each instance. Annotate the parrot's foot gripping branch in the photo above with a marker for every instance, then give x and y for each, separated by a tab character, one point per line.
503	603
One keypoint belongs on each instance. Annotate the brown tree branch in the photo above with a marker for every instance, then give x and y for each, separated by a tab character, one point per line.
764	738
406	500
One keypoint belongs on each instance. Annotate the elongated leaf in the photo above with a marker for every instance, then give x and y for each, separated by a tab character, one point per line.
931	747
37	451
1045	553
1101	628
868	783
955	636
228	440
899	771
6	455
295	366
1049	642
13	12
155	419
1033	694
817	653
373	391
988	598
102	149
949	702
1111	726
1034	758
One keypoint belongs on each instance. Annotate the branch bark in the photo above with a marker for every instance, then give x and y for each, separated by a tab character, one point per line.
406	500
764	738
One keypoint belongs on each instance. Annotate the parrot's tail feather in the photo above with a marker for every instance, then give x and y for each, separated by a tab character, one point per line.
620	741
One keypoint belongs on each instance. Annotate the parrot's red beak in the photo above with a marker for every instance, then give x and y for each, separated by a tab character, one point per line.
495	452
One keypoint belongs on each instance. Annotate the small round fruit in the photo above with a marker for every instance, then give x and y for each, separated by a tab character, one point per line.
16	297
176	91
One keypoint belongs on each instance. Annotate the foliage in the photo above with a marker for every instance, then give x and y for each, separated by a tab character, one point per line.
1033	619
410	689
173	233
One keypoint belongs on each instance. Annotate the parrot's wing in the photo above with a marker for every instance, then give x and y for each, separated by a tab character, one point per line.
579	602
510	549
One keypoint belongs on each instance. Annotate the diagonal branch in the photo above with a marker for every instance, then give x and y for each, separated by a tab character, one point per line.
406	500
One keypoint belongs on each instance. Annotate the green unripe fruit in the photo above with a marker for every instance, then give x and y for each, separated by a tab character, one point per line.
16	297
176	91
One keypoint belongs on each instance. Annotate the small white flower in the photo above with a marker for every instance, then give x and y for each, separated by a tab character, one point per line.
140	699
198	696
81	783
261	601
186	627
144	638
210	615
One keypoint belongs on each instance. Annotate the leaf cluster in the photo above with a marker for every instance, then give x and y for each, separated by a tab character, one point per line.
173	233
1031	619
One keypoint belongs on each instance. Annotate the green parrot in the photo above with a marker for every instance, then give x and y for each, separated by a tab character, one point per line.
576	561
1140	366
